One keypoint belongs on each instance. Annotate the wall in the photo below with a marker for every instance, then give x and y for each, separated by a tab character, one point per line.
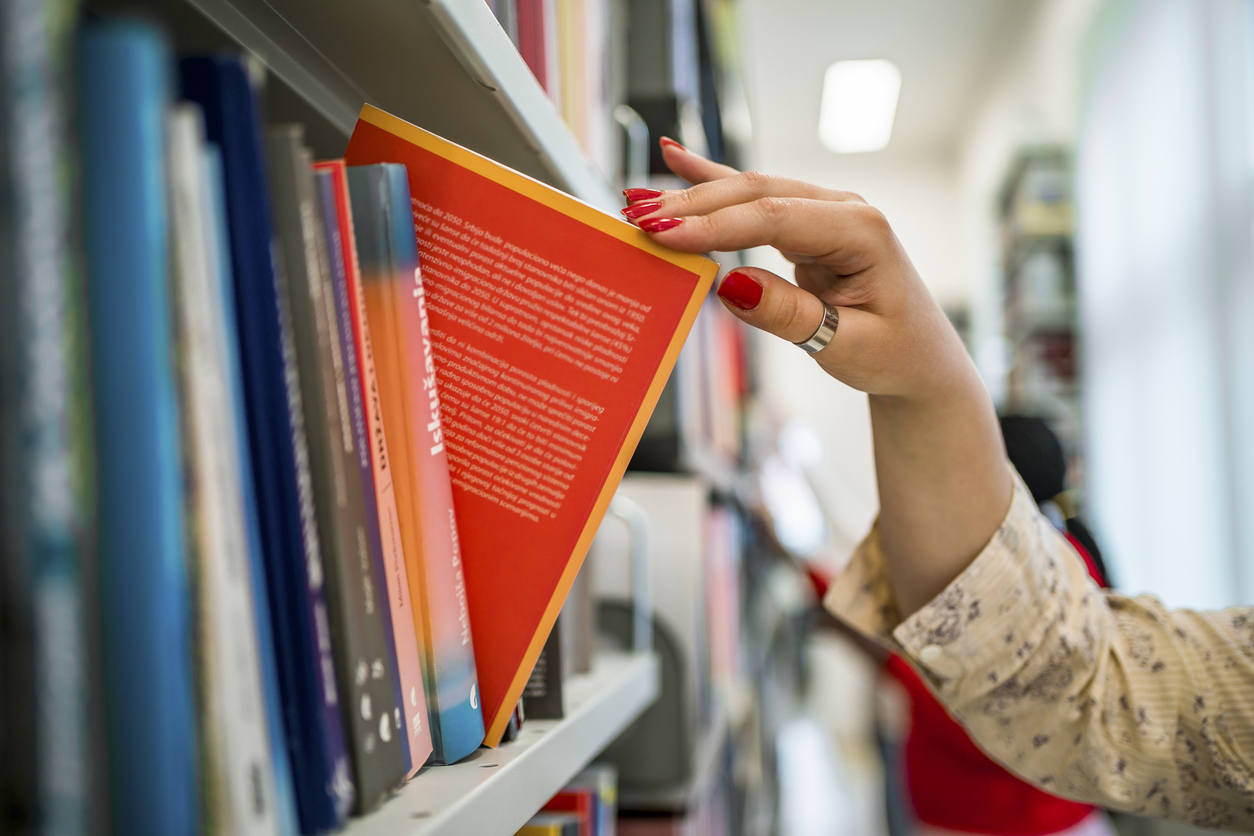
1154	96
1164	176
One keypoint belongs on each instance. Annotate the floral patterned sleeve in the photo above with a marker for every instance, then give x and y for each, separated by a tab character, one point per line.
1088	694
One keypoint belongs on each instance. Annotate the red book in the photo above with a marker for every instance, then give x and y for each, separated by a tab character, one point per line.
582	801
554	328
531	38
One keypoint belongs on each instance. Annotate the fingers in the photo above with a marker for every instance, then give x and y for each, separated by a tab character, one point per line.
692	167
766	301
717	186
742	188
848	236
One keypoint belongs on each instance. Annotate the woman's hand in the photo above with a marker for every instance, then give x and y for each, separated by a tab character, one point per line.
893	338
943	482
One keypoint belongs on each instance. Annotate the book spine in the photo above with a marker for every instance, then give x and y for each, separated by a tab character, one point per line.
529	28
17	658
50	766
343	338
279	451
389	559
122	74
221	276
385	289
237	772
370	280
361	660
450	662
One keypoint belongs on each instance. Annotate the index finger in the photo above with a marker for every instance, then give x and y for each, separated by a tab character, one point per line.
847	235
692	167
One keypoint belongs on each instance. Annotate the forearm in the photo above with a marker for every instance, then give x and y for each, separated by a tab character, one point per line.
1089	695
943	482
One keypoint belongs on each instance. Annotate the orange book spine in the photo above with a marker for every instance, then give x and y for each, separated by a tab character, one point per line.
408	659
391	284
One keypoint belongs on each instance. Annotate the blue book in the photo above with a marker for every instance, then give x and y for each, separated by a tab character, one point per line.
278	447
123	93
284	791
325	183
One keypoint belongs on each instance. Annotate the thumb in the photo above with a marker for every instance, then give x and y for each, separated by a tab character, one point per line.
772	304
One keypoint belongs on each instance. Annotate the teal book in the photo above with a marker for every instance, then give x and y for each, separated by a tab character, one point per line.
123	93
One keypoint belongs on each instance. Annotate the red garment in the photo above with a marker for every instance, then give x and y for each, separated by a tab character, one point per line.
952	784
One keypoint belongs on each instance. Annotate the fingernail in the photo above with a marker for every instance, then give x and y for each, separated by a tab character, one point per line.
633	195
660	224
639	210
666	140
740	290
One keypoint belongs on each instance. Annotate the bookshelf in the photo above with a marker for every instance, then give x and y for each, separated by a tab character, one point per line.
707	761
445	65
1038	264
495	791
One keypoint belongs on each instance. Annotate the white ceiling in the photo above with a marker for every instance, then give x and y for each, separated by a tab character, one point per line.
946	50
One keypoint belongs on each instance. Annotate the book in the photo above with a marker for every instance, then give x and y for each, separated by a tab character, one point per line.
543	696
409	402
321	775
391	574
50	775
554	327
123	84
17	640
529	23
603	779
551	824
237	773
514	727
221	273
361	662
579	799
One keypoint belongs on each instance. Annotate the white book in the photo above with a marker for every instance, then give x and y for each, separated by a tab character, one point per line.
238	766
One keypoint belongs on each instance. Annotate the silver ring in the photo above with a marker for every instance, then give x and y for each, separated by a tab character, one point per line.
823	335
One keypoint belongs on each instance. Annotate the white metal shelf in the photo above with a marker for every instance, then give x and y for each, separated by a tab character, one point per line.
445	65
495	791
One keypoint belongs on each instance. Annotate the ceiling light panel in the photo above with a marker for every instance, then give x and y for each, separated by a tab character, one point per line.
859	104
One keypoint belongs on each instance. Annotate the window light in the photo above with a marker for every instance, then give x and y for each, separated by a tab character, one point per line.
859	103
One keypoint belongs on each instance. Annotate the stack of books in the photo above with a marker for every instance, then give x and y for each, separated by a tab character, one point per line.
587	806
299	458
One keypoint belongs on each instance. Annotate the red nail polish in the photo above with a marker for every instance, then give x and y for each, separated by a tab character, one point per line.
639	210
660	224
666	140
740	290
633	195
